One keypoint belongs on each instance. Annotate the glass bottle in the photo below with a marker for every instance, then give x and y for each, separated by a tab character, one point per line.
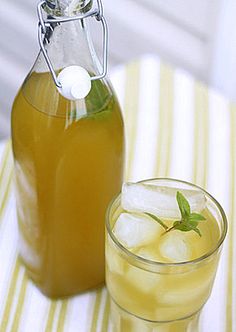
68	162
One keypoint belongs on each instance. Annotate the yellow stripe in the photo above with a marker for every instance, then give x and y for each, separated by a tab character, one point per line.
201	136
3	154
169	117
6	194
164	136
20	304
196	141
205	126
229	309
106	314
17	265
160	128
96	309
62	316
4	166
203	110
4	161
10	297
51	315
131	113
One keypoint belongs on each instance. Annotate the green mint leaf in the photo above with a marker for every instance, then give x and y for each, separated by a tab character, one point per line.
189	221
192	223
197	231
184	206
157	219
196	217
177	222
182	227
185	227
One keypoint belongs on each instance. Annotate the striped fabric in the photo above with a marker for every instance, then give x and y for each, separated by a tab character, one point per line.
175	127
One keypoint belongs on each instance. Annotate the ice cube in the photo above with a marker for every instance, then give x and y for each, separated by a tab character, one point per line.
159	200
174	247
134	230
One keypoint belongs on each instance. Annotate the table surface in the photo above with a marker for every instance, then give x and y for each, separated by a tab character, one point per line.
175	127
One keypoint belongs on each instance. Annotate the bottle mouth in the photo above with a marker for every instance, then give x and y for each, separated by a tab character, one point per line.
67	7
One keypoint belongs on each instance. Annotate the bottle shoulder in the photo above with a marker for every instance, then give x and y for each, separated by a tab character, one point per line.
40	92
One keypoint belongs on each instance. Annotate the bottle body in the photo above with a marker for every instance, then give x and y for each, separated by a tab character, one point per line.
68	166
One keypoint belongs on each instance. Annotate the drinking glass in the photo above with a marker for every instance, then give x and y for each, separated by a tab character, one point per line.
153	296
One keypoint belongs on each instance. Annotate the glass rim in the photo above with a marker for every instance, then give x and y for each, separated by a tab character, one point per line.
163	264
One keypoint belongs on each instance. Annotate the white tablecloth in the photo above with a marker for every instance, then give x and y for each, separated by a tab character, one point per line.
175	127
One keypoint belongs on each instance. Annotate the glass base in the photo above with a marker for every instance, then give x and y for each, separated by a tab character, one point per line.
122	321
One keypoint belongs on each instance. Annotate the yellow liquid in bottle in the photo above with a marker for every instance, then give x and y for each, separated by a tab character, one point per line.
68	166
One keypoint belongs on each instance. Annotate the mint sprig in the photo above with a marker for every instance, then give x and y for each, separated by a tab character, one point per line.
189	220
158	220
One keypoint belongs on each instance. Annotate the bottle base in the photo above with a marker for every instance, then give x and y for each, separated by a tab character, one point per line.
54	293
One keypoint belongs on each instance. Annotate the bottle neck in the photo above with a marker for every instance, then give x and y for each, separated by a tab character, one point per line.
67	7
70	44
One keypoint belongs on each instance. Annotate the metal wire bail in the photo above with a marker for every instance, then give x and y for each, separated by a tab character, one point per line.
44	24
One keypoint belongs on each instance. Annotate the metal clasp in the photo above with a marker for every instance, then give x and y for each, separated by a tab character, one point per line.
44	24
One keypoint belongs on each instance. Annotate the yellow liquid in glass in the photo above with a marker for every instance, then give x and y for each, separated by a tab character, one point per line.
165	294
68	166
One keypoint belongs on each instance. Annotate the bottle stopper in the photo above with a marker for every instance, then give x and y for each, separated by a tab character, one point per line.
75	82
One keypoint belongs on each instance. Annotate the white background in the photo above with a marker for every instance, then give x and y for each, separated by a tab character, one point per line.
197	35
